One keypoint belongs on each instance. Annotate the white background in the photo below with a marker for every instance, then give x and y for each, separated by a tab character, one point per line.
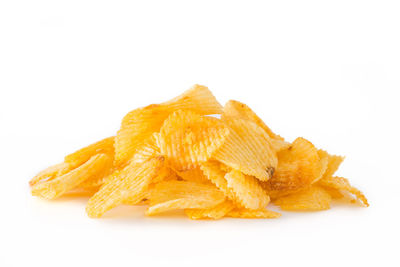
325	70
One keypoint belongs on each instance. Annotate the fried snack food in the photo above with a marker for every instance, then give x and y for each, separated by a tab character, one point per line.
175	156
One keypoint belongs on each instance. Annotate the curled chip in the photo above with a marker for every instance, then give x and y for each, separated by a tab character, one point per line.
174	156
141	123
248	149
95	167
187	139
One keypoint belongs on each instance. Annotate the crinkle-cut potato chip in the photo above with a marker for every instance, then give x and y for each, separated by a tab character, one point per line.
342	184
333	163
140	123
95	167
214	172
129	183
248	149
298	167
50	173
247	190
180	203
105	146
313	198
215	213
193	175
253	214
147	150
237	109
187	139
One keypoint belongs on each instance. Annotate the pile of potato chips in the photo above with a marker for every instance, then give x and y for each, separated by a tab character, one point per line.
174	155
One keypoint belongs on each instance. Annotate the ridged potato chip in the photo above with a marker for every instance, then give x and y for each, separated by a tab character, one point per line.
95	167
187	139
253	214
311	199
342	184
50	173
141	123
129	184
214	172
105	146
247	190
237	109
299	166
248	149
333	163
215	213
171	195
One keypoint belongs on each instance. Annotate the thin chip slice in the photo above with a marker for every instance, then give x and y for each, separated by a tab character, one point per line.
149	149
91	169
247	190
50	173
213	171
237	109
248	149
314	198
187	139
182	195
129	184
299	166
253	214
342	184
216	212
141	123
105	146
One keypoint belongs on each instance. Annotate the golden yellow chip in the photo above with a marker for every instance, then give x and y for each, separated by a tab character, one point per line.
253	214
312	199
237	109
129	184
105	146
95	167
141	123
298	167
333	163
187	139
50	173
194	175
216	212
149	149
248	149
340	183
171	195
247	190
213	171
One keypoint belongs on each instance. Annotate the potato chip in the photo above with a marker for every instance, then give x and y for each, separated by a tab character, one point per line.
333	163
248	149
147	150
216	212
105	146
194	175
253	214
182	195
247	190
340	183
91	169
129	184
237	109
50	173
141	123
311	199
187	139
213	171
298	167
